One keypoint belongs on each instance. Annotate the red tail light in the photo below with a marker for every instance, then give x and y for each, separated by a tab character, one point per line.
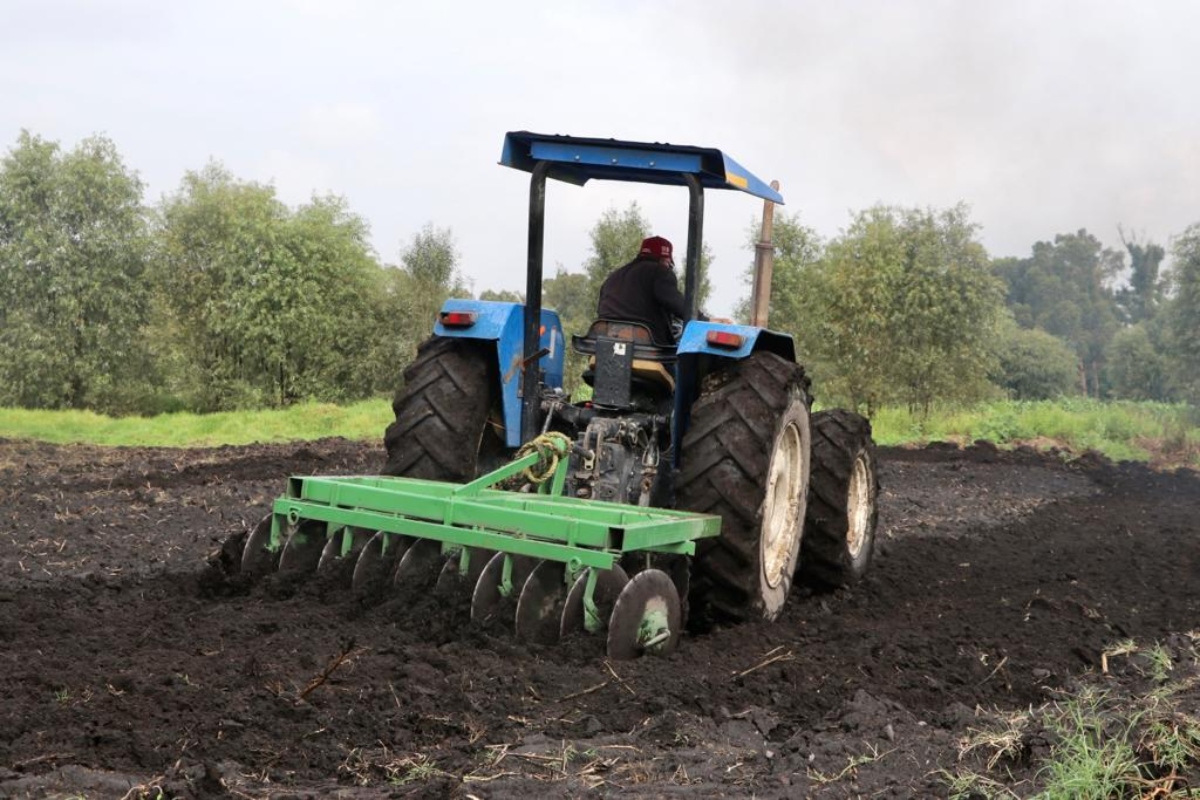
458	319
725	339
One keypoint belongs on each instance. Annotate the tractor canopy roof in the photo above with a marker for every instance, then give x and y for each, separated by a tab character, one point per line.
577	159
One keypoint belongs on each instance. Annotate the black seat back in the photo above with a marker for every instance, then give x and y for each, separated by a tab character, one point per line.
636	333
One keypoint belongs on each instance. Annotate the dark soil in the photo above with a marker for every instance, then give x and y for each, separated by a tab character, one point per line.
129	665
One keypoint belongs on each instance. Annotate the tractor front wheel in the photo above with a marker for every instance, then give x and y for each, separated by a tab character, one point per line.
746	458
448	416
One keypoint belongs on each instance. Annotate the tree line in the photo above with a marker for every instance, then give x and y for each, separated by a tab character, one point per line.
906	307
221	297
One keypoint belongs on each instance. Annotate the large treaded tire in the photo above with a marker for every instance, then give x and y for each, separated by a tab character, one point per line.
839	530
444	428
748	416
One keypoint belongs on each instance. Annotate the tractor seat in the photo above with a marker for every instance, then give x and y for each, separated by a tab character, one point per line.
644	346
648	363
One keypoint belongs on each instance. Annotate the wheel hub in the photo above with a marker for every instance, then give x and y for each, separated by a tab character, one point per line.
858	511
783	497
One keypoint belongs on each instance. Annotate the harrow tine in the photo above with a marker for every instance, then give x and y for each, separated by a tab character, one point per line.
609	583
333	546
492	595
376	562
538	608
452	577
302	551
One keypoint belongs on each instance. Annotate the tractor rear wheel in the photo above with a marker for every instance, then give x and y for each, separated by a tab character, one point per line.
447	415
746	459
839	531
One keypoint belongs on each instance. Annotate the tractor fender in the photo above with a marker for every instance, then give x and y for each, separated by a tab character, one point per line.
699	356
695	339
503	323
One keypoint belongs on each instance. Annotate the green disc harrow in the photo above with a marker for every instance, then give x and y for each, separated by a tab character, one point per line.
560	561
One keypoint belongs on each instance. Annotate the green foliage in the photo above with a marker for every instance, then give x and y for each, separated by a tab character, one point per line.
1183	313
1136	367
1064	289
797	250
73	298
899	309
259	304
1032	364
567	293
405	308
430	262
1104	739
1141	299
502	295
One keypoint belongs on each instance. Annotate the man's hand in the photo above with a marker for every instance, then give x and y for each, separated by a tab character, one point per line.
722	320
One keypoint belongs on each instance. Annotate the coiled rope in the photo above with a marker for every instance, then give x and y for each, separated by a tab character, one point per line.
550	448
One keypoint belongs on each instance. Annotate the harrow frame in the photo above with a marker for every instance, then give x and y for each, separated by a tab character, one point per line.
472	517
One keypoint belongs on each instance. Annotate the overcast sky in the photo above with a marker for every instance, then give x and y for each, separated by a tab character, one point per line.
1045	117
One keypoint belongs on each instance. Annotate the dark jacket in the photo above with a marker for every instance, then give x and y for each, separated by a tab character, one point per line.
644	290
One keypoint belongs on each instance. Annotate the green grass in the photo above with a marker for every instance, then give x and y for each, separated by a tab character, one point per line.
1132	732
362	421
1119	430
1136	431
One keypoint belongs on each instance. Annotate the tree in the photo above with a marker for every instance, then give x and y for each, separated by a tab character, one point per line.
1183	313
1032	364
567	293
1135	367
900	308
502	295
431	263
797	250
73	301
262	304
1140	300
1065	289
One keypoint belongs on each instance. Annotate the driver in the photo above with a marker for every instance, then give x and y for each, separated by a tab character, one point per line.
645	290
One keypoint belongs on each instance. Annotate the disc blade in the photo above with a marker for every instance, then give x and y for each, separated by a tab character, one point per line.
488	599
646	617
256	558
609	583
421	562
333	546
302	550
377	561
452	579
539	606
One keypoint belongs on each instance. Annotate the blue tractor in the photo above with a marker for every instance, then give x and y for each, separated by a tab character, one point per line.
718	424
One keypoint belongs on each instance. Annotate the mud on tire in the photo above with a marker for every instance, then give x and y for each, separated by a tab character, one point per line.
745	458
446	414
839	529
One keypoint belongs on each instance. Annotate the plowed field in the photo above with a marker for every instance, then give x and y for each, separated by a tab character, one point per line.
130	664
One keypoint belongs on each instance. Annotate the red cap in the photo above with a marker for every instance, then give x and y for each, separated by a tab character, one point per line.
659	248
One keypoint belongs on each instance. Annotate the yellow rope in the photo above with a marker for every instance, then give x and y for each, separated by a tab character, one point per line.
550	447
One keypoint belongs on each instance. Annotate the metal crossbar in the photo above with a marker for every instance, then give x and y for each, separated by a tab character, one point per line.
543	525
